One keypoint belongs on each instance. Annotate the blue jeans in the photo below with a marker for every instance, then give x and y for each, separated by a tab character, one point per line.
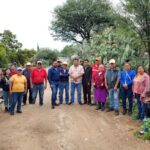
140	106
6	97
113	99
38	88
16	97
127	93
78	87
64	86
55	86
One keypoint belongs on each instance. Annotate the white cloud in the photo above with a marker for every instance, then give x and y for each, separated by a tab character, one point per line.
29	20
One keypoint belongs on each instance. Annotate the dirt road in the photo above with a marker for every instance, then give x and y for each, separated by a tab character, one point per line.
67	128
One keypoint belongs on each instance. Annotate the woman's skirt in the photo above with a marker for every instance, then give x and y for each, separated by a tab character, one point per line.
100	94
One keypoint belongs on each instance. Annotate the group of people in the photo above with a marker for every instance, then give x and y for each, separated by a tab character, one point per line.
17	83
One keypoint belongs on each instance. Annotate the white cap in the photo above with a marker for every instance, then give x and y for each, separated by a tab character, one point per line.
112	61
39	62
64	63
28	64
19	68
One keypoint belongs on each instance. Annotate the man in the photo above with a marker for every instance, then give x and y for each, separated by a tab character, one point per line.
27	73
112	85
53	78
76	72
17	88
86	81
126	80
38	81
64	83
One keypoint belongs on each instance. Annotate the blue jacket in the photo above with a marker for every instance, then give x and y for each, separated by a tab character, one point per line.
53	75
64	75
127	77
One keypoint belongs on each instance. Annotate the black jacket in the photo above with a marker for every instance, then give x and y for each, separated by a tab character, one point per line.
5	83
87	77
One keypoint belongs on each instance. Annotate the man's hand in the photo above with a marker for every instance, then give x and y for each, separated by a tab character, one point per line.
51	86
45	86
125	86
115	88
10	92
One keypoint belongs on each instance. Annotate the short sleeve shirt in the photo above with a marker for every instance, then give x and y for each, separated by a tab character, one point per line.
18	83
38	75
76	71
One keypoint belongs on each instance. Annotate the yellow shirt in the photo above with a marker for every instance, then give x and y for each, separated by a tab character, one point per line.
18	83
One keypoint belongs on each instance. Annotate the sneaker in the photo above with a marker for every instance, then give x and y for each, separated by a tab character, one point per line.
12	113
6	109
56	104
124	112
80	103
110	109
129	113
70	103
116	112
1	101
53	107
19	112
103	108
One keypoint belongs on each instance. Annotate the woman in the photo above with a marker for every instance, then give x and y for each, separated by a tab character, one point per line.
100	92
5	86
18	86
140	87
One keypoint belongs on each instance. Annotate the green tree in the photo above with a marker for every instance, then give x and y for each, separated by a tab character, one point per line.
76	20
137	18
3	59
47	55
9	40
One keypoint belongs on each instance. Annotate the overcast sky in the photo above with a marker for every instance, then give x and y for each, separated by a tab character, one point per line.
29	20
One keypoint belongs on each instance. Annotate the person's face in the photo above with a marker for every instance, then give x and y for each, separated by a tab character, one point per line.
140	70
97	62
28	67
39	65
13	67
59	63
85	63
127	67
7	72
55	64
101	68
64	66
19	72
76	62
112	65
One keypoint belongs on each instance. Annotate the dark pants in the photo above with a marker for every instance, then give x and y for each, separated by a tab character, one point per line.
16	98
30	97
127	93
140	106
87	92
54	88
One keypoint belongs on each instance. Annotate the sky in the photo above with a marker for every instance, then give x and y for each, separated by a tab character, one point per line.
30	20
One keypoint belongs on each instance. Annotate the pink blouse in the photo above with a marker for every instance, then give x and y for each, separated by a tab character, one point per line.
141	86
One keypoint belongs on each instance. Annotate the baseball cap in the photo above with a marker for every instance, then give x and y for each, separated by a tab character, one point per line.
39	62
64	63
28	64
19	68
98	58
112	61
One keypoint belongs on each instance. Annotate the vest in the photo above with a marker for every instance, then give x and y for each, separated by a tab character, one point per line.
112	78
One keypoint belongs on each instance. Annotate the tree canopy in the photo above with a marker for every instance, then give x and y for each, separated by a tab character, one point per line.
76	20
